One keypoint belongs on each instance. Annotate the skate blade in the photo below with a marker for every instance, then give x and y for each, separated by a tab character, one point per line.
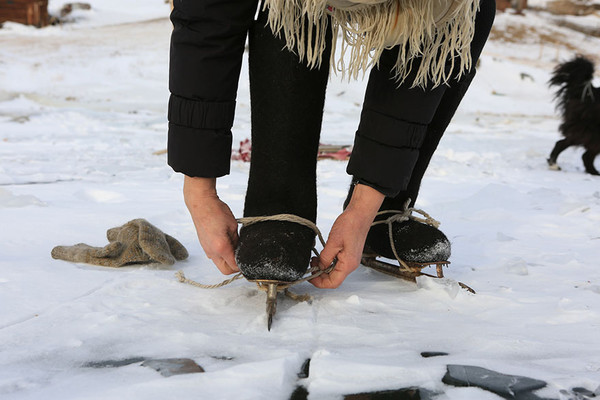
410	273
272	287
412	270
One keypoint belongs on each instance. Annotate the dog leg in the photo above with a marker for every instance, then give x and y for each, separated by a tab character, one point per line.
588	162
559	147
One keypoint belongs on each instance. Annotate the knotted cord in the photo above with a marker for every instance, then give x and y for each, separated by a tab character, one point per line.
401	216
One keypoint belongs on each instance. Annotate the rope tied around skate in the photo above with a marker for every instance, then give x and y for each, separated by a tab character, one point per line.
272	287
401	216
313	272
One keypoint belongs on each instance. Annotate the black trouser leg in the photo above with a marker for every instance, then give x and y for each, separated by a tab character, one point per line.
419	118
435	130
287	100
445	110
411	121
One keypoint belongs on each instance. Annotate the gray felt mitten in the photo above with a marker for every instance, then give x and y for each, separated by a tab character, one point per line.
136	242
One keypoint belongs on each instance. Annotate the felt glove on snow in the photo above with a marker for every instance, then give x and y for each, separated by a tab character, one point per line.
136	242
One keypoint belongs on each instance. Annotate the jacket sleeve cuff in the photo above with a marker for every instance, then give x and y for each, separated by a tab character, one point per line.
199	152
385	152
199	139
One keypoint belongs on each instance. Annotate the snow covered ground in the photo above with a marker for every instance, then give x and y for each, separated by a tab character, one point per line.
82	110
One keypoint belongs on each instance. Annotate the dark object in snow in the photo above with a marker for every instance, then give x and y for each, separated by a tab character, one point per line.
578	101
136	242
173	366
581	393
304	371
300	393
399	394
28	12
114	363
69	7
427	354
223	358
506	386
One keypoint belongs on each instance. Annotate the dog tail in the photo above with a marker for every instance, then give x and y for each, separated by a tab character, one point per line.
572	79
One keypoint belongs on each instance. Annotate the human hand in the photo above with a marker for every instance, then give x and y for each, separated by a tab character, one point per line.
215	224
347	237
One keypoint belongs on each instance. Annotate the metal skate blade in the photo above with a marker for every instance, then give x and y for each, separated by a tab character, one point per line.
271	303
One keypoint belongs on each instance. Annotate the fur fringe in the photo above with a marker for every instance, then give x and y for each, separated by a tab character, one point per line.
439	32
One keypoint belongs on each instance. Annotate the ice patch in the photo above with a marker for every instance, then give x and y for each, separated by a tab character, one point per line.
101	196
517	266
593	288
501	237
439	285
8	199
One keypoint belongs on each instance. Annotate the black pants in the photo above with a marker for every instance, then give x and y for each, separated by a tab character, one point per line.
399	130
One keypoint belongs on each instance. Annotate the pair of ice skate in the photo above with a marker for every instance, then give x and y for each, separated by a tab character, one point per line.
280	251
276	253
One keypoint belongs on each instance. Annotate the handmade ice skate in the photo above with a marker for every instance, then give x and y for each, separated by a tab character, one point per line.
414	242
273	287
274	252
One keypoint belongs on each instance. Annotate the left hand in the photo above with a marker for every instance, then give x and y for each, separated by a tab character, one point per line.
347	237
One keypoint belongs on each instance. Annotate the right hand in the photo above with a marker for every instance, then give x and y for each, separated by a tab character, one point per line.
346	240
215	224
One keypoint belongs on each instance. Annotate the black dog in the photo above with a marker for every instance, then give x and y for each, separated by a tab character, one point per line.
579	103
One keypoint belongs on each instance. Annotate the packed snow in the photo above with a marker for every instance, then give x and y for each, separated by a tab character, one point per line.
82	114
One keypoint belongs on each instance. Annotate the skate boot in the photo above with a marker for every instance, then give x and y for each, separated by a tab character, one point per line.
274	251
413	242
398	236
